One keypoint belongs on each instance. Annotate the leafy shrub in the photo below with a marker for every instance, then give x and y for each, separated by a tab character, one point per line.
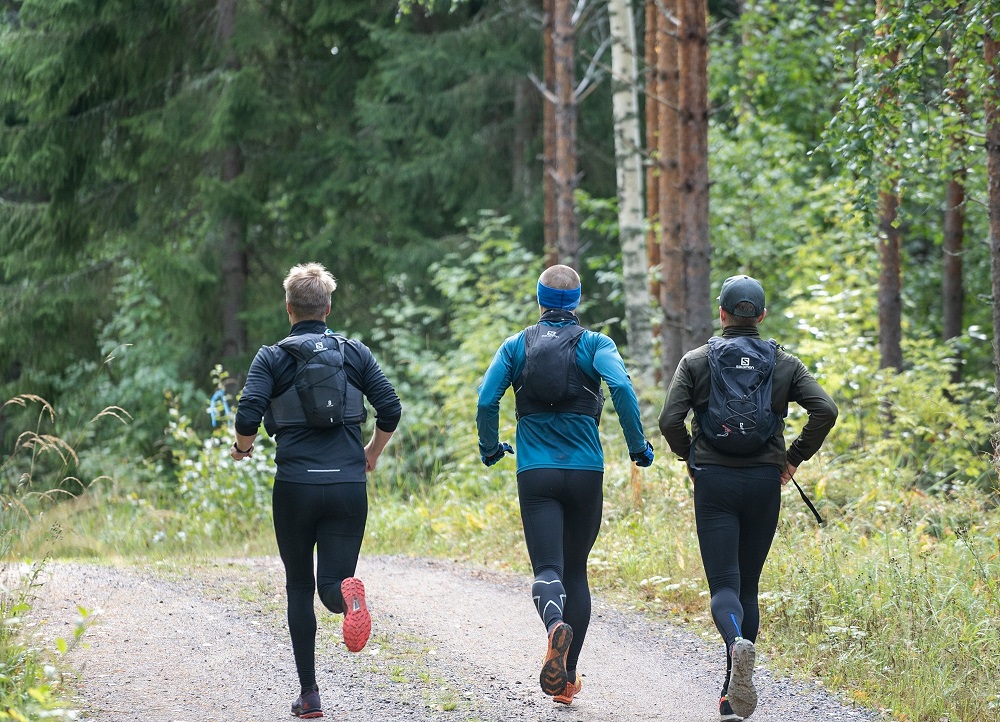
220	499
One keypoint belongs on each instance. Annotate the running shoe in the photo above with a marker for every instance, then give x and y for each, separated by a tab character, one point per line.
726	713
572	689
742	694
553	678
357	620
308	706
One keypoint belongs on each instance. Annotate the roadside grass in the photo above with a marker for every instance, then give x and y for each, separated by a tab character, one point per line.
31	683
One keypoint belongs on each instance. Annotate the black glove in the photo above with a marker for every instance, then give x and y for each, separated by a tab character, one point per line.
501	451
644	457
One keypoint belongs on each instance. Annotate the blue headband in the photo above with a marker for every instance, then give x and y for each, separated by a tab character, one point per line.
565	299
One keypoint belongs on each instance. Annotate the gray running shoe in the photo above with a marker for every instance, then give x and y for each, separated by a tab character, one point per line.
308	706
742	694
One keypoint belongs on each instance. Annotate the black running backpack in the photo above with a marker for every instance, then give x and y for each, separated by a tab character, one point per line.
739	419
320	395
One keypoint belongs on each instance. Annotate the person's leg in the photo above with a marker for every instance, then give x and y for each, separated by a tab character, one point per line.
758	522
542	519
339	535
295	512
583	504
717	517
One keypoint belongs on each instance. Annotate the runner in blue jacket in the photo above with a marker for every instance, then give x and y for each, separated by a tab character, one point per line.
556	369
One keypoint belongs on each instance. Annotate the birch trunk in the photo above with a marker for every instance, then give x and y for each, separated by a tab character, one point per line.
628	166
564	56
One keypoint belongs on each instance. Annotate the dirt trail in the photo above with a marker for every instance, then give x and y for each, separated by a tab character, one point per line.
450	642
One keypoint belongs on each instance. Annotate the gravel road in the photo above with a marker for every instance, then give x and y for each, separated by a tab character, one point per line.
207	643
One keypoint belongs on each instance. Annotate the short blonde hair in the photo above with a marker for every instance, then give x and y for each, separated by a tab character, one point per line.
307	290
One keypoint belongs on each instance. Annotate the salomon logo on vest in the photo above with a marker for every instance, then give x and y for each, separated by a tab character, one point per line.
320	395
739	419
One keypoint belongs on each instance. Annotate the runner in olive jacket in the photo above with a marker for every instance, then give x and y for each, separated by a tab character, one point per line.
737	498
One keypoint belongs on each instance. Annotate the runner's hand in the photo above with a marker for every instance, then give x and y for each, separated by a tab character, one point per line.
502	450
644	457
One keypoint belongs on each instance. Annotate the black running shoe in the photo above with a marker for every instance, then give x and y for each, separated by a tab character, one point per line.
726	713
308	706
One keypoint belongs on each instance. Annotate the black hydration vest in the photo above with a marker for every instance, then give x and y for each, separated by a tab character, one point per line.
551	380
320	396
739	419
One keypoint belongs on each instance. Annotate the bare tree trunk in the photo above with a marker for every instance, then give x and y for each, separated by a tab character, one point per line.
628	165
693	143
992	58
564	57
952	281
952	286
890	304
673	263
551	221
234	255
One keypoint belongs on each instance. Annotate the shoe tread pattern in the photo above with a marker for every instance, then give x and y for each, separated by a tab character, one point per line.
553	677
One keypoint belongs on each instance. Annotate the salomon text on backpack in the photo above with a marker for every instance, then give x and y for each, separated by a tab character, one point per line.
739	419
320	395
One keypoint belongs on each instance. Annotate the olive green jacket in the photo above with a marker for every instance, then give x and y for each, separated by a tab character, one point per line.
791	381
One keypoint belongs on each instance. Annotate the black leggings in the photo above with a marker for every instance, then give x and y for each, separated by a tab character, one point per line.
329	518
736	511
561	514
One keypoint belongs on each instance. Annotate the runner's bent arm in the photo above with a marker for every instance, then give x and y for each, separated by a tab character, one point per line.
254	400
494	385
609	365
822	412
675	411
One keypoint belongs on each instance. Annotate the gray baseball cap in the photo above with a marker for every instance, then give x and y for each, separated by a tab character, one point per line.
737	289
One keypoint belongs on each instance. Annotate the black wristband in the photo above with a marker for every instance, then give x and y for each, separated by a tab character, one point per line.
241	451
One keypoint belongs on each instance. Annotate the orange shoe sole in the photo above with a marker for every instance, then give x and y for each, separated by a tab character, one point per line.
553	678
357	620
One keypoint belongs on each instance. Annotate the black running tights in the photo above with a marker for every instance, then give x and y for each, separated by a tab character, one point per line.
736	512
329	518
561	513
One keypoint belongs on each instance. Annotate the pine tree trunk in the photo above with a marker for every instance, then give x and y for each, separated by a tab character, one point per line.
992	58
564	55
628	165
551	221
692	96
234	255
952	281
890	304
952	286
673	264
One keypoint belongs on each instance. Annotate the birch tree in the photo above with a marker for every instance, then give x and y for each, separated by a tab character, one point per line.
629	170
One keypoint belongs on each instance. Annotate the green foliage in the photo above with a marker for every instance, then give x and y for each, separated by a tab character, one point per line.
219	499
